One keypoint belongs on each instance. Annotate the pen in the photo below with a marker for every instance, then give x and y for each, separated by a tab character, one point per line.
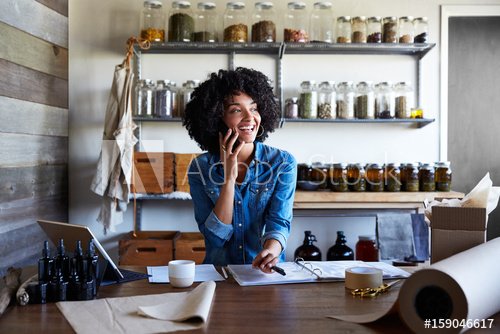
278	270
224	273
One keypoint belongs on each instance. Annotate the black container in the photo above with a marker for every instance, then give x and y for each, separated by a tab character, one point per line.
340	251
308	251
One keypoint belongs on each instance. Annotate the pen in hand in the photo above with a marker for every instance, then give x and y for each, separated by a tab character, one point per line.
279	270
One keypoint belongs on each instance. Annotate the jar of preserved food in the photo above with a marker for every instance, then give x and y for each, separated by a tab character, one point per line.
374	177
292	108
421	28
409	177
327	100
356	177
384	100
358	27
205	23
308	251
344	30
163	99
443	176
153	21
180	22
374	29
406	32
235	23
366	248
308	100
296	23
322	22
340	251
185	94
338	177
319	175
304	172
404	99
392	175
145	96
390	29
345	100
426	177
364	104
263	22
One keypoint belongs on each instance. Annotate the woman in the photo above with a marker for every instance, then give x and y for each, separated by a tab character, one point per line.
242	190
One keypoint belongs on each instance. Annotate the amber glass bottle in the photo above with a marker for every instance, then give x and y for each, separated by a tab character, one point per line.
340	251
308	251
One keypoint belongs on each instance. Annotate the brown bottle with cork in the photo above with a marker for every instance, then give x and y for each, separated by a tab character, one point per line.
308	251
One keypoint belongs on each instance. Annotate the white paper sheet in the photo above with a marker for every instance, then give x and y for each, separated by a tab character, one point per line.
203	273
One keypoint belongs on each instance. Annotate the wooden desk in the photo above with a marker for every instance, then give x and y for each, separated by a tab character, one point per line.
291	308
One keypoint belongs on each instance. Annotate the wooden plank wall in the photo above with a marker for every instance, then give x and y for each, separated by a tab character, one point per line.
33	124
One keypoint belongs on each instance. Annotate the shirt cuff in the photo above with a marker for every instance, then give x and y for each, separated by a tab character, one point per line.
276	236
218	228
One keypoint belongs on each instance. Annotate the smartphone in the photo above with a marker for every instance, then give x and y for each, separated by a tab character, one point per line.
223	129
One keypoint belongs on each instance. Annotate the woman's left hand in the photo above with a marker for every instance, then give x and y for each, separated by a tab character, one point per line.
268	257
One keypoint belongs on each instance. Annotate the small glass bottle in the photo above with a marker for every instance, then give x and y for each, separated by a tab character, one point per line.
421	29
374	177
292	108
145	96
153	21
374	30
406	33
384	100
409	177
322	22
180	22
344	30
338	177
366	248
308	100
403	99
356	177
390	29
264	23
235	23
443	176
340	251
327	100
205	23
296	23
426	177
358	27
345	100
364	104
163	99
308	251
392	176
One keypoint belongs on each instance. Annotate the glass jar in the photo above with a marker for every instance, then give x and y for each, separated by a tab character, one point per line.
392	176
404	99
443	176
390	29
235	23
421	29
308	100
185	94
409	177
163	99
327	103
358	27
175	103
338	177
340	251
304	172
406	32
263	22
322	22
356	177
296	23
292	108
205	23
364	104
180	22
145	95
366	248
374	30
426	177
153	21
344	30
319	175
384	100
307	250
374	177
345	100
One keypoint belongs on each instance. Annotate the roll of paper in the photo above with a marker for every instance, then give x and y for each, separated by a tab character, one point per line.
362	277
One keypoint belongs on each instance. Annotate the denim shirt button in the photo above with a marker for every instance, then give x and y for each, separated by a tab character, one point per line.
239	225
266	189
239	202
240	247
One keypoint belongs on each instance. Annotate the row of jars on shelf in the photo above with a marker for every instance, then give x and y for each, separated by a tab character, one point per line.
184	25
162	99
348	101
392	177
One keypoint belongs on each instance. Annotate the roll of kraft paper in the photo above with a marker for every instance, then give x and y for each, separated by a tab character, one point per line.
363	277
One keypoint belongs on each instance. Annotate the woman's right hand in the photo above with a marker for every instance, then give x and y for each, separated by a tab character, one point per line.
229	154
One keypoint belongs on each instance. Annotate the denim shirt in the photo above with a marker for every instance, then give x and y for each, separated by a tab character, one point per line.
263	204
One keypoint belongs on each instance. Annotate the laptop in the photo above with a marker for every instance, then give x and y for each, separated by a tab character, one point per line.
71	233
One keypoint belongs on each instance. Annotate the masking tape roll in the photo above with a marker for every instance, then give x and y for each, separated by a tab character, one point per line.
363	277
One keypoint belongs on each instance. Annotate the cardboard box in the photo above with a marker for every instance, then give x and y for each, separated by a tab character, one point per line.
153	172
454	230
149	248
190	246
182	161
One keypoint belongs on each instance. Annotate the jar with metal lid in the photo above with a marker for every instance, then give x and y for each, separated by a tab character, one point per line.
308	100
235	23
163	99
327	103
421	29
345	100
356	177
319	175
409	177
304	172
364	104
384	100
185	94
366	249
404	99
205	23
322	22
358	27
338	177
390	29
443	176
175	103
426	177
296	23
145	96
374	177
264	22
406	33
153	21
180	22
392	176
344	30
374	29
292	108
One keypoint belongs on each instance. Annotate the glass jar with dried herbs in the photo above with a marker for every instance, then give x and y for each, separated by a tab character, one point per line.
374	177
426	177
345	100
153	21
404	99
180	22
235	23
406	33
392	176
338	177
292	108
308	100
205	23
421	28
145	97
327	100
358	27
374	29
409	177
384	100
356	177
344	30
263	23
443	176
296	23
390	29
364	104
322	22
163	99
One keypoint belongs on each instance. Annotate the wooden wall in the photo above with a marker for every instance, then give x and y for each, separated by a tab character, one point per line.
33	124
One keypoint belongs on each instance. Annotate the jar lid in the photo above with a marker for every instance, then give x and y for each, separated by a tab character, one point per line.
374	18
146	81
181	4
427	165
235	5
406	18
367	237
359	19
206	5
364	83
322	5
409	164
443	164
392	164
192	83
296	5
264	5
303	164
340	165
344	19
372	164
345	84
390	18
308	82
152	3
162	82
421	19
355	164
327	84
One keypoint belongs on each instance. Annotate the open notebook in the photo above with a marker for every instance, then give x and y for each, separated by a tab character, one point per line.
308	272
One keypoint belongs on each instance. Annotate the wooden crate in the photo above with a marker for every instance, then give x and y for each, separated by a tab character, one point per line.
190	246
182	161
153	172
149	248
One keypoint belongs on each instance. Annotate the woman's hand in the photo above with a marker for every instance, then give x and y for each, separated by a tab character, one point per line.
268	257
229	154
